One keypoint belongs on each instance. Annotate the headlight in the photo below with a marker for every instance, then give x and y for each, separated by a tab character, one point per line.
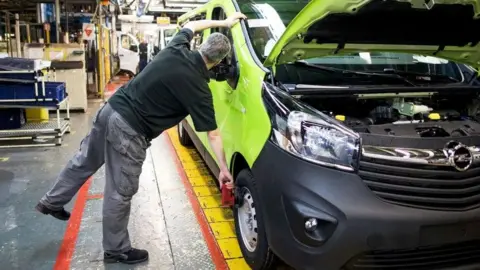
308	136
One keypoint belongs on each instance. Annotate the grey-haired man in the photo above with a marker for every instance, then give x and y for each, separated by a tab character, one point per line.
172	86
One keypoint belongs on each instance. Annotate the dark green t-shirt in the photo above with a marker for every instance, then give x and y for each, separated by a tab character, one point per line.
172	86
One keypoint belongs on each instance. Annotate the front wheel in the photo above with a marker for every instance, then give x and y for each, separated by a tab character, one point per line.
183	136
249	226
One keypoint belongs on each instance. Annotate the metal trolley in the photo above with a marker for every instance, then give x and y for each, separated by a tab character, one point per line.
47	133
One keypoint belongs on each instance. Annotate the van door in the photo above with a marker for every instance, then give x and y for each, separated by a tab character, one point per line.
128	53
227	93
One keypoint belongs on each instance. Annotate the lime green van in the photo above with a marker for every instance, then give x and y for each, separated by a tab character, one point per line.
352	128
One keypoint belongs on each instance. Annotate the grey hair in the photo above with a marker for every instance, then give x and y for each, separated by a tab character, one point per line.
215	48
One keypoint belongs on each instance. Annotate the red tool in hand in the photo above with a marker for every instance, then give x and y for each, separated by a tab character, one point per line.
228	199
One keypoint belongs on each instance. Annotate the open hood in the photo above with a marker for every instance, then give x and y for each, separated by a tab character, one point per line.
447	29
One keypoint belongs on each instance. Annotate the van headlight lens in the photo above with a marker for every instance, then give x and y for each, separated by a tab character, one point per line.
314	139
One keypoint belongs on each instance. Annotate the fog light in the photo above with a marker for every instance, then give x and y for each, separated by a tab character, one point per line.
311	224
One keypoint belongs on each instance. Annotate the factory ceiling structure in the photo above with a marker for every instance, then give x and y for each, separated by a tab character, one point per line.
173	5
30	5
151	6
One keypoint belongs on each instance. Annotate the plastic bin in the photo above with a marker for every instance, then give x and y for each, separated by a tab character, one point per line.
11	91
37	115
12	118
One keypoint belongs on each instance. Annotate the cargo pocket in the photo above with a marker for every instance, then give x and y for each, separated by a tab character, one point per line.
131	167
129	181
131	153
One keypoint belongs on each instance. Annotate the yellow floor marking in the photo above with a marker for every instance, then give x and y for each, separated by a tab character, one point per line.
223	230
229	248
201	181
4	159
202	191
220	219
197	173
238	264
218	214
190	159
210	201
193	166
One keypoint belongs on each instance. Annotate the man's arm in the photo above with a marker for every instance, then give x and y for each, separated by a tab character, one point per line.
203	116
198	26
225	178
217	145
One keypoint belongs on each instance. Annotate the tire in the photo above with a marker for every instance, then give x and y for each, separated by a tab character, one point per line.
183	136
258	255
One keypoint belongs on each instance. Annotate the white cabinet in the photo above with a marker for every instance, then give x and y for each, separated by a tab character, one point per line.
76	84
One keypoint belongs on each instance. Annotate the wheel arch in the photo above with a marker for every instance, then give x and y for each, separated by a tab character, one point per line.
238	163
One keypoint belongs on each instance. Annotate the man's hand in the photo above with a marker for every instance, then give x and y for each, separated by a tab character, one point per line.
197	26
225	178
234	19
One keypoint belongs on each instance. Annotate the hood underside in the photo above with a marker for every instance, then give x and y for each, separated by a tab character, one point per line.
448	29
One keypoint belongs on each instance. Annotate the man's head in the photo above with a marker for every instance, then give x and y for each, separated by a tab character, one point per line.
214	49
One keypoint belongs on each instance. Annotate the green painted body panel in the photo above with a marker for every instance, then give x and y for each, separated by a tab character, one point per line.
289	48
240	113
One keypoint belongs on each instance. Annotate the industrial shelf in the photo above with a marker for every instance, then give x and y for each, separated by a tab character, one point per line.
27	88
40	134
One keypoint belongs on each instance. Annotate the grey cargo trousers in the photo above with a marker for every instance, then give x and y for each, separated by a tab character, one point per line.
112	142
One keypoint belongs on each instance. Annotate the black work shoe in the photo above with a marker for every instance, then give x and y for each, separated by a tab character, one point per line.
58	214
130	257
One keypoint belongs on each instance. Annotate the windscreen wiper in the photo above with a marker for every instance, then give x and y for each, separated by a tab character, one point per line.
420	76
366	74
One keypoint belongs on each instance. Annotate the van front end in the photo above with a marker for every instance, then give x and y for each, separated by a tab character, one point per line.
322	218
336	199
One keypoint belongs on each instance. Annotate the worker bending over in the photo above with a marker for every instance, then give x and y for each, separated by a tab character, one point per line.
172	86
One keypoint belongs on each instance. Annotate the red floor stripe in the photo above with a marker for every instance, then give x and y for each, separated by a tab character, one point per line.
67	248
214	249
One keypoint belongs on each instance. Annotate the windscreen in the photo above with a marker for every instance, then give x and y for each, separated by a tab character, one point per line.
267	20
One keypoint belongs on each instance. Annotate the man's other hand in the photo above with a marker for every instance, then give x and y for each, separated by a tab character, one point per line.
234	18
225	178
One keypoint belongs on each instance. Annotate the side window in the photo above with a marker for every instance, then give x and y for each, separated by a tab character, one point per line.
198	37
229	64
168	35
125	42
128	43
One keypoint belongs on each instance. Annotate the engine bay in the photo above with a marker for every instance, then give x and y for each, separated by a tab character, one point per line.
416	115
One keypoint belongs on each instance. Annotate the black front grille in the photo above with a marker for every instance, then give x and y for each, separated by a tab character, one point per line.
466	254
421	186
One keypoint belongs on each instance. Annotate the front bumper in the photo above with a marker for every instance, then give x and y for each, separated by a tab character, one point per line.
351	219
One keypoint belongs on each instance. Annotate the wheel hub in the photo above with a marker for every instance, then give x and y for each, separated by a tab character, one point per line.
247	221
